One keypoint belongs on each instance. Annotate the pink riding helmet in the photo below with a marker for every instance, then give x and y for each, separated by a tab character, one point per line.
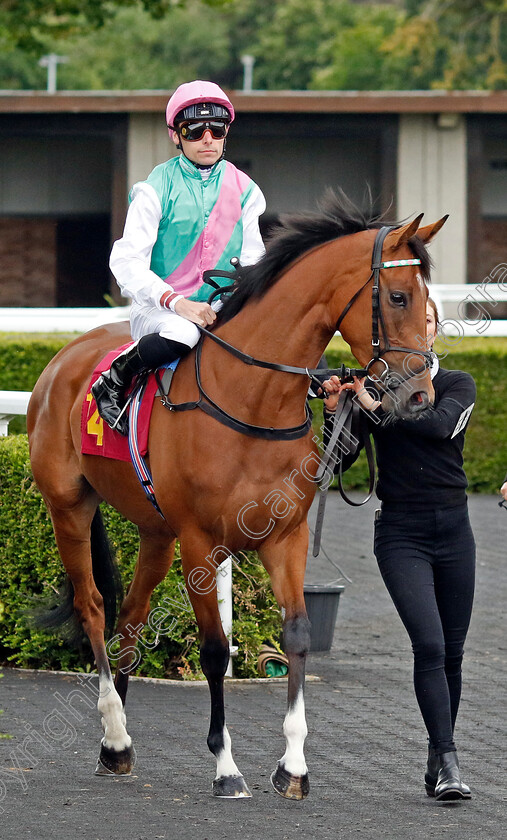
192	93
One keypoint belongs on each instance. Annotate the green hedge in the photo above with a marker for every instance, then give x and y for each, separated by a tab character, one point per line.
30	570
24	357
486	438
29	564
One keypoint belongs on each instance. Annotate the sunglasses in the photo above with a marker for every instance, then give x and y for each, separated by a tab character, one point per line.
195	130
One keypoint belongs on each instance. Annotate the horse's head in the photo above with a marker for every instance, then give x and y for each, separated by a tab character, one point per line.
395	350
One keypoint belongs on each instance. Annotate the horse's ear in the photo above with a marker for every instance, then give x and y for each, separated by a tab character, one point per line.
401	235
429	231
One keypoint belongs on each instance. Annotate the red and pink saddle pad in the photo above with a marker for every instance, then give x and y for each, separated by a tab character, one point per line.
96	436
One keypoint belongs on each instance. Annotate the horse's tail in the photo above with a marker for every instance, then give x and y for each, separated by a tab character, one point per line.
60	616
106	573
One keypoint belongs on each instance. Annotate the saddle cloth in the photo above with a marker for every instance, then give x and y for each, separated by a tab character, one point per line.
96	436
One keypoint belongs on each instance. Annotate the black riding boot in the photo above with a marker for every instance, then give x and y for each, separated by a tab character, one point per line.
109	389
149	352
449	785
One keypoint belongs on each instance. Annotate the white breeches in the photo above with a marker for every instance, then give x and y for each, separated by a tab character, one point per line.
145	320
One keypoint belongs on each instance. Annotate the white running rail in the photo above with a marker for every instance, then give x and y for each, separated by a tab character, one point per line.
12	403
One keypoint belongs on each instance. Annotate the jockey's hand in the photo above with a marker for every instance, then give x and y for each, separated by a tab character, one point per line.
196	311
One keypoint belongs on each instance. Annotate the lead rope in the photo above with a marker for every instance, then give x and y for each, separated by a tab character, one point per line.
328	460
331	456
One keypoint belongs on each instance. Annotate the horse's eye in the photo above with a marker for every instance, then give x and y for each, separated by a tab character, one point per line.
398	299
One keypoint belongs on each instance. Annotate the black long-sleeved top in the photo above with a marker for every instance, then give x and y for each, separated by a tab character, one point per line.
421	461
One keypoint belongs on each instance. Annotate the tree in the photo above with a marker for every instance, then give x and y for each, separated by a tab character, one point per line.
25	23
297	44
136	52
290	47
353	57
457	44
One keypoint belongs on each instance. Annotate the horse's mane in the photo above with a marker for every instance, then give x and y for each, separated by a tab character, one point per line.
298	233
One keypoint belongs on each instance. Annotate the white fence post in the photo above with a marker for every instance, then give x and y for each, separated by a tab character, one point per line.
224	595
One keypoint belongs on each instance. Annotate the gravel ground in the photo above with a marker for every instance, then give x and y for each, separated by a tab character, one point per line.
365	750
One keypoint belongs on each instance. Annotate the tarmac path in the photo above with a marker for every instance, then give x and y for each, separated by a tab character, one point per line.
366	747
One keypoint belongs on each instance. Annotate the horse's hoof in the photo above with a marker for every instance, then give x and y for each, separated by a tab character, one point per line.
113	763
231	787
289	786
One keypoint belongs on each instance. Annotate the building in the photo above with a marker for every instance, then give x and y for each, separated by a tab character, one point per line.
68	159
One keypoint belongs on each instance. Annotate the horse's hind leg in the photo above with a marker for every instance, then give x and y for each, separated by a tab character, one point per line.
285	561
200	576
72	532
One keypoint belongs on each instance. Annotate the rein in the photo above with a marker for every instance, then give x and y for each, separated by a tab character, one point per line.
347	410
209	406
313	373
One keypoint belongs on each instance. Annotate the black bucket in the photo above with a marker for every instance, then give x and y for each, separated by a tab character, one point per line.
322	607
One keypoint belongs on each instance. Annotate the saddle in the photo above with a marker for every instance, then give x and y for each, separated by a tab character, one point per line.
96	436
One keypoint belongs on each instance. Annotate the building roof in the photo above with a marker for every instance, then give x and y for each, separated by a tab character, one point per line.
378	102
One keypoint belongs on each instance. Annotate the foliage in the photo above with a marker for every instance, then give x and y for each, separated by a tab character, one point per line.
25	356
460	44
322	44
325	44
147	53
290	46
31	570
27	24
486	438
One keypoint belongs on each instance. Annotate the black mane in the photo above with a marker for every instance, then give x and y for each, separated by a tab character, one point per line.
296	234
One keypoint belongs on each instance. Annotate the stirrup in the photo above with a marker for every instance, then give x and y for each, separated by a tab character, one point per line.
114	427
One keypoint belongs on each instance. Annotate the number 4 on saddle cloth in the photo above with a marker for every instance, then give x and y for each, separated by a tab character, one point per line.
97	438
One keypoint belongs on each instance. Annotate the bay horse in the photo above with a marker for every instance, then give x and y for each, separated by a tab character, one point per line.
220	490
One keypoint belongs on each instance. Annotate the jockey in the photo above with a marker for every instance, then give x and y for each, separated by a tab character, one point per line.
193	213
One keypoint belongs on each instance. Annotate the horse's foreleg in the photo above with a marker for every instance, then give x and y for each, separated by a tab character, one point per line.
290	779
229	782
72	532
285	562
156	554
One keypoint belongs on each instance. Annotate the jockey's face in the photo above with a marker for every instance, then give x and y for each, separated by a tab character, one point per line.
205	151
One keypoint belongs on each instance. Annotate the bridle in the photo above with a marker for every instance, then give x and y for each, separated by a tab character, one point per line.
388	380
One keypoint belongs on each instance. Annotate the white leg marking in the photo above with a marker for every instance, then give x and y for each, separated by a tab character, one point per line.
295	731
114	720
226	765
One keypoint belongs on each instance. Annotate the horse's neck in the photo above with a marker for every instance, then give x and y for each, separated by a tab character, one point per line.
296	317
292	324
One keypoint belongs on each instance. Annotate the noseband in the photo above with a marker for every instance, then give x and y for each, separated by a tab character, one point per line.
387	380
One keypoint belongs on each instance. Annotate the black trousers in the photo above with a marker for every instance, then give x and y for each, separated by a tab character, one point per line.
427	560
